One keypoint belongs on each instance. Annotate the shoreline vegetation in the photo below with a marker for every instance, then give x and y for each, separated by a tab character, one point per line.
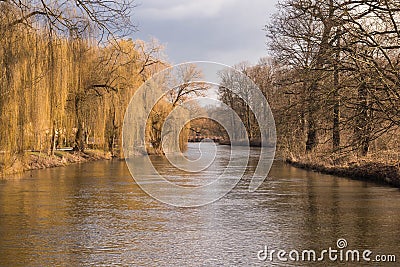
36	160
332	82
384	172
364	170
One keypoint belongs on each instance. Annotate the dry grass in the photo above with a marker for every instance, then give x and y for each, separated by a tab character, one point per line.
36	160
382	167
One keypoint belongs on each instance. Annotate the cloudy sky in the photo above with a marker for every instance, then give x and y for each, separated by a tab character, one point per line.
225	31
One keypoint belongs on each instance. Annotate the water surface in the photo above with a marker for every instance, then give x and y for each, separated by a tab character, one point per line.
94	214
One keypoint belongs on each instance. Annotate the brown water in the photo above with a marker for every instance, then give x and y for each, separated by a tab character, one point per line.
94	214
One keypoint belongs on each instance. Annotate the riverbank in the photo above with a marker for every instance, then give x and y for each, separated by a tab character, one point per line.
379	172
37	160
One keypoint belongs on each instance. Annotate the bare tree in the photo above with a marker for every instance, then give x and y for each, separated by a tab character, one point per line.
77	17
189	79
340	55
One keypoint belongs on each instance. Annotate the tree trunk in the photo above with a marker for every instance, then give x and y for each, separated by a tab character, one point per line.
311	142
79	144
312	139
53	139
336	99
362	130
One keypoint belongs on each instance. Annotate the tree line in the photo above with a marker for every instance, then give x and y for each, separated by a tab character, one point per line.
67	74
332	78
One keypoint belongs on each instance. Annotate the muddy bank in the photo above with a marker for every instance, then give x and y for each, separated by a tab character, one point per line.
381	173
36	160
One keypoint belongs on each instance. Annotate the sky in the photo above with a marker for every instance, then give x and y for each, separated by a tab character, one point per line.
224	31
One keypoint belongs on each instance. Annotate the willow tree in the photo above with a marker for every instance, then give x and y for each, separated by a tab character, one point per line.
116	71
38	71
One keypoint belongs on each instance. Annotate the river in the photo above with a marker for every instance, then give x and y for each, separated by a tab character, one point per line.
93	214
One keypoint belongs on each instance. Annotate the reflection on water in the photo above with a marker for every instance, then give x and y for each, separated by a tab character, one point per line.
94	214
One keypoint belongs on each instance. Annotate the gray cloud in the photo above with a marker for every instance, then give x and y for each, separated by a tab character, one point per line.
226	31
180	10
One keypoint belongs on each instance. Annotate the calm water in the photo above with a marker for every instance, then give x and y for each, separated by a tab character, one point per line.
94	214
